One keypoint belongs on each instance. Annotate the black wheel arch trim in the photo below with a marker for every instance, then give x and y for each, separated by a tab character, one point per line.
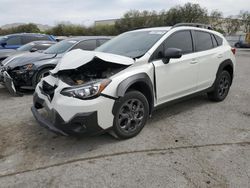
137	78
223	65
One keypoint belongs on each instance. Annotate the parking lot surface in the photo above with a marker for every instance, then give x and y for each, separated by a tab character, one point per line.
195	143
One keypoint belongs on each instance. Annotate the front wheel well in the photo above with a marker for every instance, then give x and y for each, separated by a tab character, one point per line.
145	90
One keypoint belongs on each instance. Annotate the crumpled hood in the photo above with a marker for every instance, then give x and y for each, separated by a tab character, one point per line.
26	58
78	57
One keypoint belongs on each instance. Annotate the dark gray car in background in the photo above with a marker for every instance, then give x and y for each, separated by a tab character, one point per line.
25	71
30	47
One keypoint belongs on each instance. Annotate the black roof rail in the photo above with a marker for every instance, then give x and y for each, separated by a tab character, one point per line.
205	26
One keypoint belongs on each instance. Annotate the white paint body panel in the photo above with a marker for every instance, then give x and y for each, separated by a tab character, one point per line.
175	79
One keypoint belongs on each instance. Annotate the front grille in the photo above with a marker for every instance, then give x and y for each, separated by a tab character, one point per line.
48	90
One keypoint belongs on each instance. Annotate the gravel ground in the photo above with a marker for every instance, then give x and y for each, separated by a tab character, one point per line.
195	143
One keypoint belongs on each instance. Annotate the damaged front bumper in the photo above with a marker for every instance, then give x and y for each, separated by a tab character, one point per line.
7	81
80	124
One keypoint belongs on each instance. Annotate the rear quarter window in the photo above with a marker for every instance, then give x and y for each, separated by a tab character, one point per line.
218	39
215	43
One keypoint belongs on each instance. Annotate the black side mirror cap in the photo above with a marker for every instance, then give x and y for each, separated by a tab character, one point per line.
171	53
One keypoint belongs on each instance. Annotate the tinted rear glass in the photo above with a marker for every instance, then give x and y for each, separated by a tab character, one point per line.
219	40
203	41
214	41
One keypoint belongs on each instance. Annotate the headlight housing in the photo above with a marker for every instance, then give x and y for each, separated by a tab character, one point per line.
87	91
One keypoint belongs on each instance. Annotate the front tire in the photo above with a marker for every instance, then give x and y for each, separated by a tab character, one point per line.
221	87
41	74
131	114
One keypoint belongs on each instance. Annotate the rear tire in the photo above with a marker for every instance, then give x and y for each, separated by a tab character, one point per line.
131	114
221	87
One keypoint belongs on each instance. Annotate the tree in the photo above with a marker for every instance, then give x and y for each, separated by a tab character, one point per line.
136	19
231	25
245	17
186	13
27	28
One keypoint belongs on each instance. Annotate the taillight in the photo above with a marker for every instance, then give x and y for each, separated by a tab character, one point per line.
233	50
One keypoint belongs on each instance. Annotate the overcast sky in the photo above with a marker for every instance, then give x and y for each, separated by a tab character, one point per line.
86	12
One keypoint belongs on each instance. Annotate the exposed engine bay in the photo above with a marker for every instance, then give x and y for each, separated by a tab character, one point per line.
94	70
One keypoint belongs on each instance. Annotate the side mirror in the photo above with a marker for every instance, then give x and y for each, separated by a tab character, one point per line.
171	53
33	49
3	44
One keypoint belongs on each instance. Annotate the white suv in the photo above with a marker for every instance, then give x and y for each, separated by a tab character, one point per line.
116	87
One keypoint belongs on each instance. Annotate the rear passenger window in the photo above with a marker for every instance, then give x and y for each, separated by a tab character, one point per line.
203	41
218	39
181	40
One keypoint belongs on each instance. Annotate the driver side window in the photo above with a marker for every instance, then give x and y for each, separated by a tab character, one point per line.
181	40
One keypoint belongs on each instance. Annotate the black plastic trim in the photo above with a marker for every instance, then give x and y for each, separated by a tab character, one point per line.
223	65
108	96
137	78
184	98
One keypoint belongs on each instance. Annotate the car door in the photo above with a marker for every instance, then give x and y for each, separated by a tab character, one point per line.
178	77
209	56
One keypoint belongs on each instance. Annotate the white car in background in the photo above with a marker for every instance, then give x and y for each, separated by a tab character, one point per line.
116	87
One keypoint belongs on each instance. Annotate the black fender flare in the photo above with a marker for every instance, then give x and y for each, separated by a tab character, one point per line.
142	78
223	65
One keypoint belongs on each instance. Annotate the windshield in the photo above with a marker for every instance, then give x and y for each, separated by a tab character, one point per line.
60	47
132	44
26	47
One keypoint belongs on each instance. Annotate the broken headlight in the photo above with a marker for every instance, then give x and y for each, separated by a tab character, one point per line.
87	91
